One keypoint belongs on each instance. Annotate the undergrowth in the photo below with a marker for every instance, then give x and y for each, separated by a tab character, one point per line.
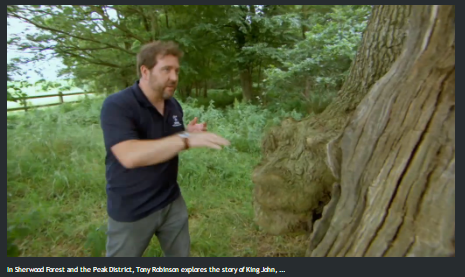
56	202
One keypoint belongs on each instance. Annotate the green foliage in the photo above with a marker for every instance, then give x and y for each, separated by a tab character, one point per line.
56	181
13	90
219	97
226	46
314	69
19	228
14	233
65	85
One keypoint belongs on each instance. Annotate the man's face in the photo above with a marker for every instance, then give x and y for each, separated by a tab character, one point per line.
163	78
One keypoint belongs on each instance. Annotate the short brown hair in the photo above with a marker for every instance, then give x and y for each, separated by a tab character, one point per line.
149	52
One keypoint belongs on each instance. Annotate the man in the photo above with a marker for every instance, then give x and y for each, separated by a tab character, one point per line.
143	131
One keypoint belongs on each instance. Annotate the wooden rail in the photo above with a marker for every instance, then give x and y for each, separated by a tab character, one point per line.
60	95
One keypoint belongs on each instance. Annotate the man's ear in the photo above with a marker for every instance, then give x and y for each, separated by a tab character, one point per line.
144	71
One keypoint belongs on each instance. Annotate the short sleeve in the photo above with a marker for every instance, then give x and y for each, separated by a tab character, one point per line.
117	124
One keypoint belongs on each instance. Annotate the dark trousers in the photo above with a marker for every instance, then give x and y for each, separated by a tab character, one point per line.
170	225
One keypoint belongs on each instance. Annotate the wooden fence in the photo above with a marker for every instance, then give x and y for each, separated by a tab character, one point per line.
23	100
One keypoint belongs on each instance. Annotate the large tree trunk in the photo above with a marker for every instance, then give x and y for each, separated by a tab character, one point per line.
293	182
397	192
392	163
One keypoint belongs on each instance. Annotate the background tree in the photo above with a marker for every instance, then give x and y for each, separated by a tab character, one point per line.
245	48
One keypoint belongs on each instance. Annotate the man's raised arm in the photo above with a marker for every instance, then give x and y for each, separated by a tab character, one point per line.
122	139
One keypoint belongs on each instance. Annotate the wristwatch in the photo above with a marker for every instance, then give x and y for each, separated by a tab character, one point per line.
185	137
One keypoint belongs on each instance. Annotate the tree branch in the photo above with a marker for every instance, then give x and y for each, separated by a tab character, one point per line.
101	12
98	62
68	34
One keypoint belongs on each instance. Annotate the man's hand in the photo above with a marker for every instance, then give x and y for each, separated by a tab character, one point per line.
194	127
206	139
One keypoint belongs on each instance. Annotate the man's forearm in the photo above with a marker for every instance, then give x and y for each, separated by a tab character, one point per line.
140	153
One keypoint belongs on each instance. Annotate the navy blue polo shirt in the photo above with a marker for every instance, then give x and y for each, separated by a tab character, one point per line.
135	193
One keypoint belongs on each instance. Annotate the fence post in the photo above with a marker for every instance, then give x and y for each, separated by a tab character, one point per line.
60	94
23	101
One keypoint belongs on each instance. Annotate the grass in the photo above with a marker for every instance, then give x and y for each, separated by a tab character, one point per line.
56	201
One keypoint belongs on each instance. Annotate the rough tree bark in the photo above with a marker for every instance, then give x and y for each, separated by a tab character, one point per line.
293	182
389	179
397	192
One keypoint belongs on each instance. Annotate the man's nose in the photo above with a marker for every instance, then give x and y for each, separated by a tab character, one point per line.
174	76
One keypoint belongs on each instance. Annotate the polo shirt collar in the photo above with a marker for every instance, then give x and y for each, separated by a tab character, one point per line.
140	96
142	99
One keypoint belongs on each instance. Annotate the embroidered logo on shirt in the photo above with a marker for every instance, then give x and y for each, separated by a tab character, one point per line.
176	122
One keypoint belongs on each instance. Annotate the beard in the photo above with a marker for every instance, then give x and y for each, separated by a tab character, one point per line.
166	91
167	95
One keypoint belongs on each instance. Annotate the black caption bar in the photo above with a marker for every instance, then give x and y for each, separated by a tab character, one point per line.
283	267
147	270
234	266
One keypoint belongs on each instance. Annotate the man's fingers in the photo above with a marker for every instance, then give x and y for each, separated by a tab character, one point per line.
219	140
214	146
223	141
194	121
212	140
211	144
